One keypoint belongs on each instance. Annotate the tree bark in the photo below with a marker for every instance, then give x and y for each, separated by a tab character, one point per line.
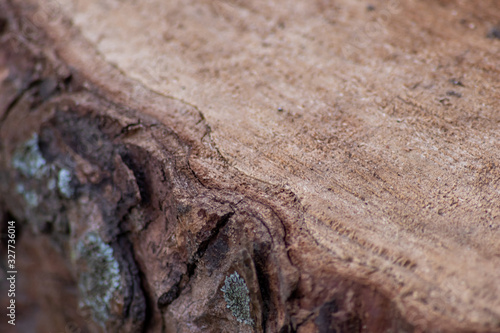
251	166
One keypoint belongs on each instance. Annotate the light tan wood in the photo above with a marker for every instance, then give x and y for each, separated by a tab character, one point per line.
377	129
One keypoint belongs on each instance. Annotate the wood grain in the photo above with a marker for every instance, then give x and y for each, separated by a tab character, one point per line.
342	158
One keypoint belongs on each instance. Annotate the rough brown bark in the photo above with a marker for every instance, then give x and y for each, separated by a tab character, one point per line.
336	161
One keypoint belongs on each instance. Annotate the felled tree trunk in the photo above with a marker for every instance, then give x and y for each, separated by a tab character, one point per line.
251	166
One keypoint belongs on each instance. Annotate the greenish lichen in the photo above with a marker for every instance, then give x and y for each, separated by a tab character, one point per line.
236	296
30	197
101	279
29	160
63	183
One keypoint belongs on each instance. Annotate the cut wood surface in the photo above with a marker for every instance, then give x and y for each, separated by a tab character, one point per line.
342	157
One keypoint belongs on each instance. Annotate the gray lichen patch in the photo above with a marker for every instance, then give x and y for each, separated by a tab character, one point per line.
64	183
99	278
38	176
30	197
237	299
29	160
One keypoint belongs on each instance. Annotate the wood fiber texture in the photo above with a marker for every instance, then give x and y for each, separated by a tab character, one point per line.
342	157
